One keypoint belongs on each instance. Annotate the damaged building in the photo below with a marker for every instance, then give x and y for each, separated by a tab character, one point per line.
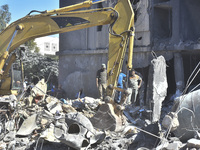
165	30
168	28
166	114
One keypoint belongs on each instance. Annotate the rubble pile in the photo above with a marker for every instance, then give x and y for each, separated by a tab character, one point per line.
35	120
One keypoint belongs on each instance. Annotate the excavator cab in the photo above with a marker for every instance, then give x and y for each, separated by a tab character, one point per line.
12	76
16	79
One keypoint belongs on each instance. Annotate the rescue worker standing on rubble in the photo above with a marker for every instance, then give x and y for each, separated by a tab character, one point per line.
101	81
134	83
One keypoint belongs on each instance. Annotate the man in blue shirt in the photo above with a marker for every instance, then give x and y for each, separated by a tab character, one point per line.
120	85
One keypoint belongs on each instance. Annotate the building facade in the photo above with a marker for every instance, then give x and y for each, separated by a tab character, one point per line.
81	54
48	45
167	27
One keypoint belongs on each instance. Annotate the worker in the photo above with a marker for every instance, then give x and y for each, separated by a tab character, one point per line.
134	83
101	81
120	85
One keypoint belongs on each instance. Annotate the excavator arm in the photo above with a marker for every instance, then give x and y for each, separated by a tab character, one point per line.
68	19
31	27
121	32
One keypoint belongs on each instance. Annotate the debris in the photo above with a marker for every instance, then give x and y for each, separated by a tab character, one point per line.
48	134
193	143
151	136
68	108
157	86
77	126
37	120
54	106
28	126
174	146
107	119
130	130
39	90
170	121
187	108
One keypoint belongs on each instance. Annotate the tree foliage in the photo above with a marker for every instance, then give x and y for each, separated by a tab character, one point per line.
5	16
37	65
31	44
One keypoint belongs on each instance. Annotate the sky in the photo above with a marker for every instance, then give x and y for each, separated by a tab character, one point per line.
20	8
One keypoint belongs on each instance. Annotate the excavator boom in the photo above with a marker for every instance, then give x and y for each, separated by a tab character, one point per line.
31	27
68	19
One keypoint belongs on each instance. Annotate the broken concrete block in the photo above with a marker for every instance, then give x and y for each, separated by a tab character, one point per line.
11	144
28	126
157	86
170	121
22	143
162	146
54	106
50	98
106	118
68	108
193	143
188	108
174	146
130	130
48	134
10	136
92	103
77	131
2	145
150	140
10	125
40	89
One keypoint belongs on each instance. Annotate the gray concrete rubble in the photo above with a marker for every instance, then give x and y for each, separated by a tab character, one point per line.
40	121
171	120
193	143
186	116
157	86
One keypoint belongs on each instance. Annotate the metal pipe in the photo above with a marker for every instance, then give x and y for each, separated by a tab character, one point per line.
85	4
9	45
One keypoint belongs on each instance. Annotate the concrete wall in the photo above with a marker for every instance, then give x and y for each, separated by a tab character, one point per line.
142	28
175	28
78	70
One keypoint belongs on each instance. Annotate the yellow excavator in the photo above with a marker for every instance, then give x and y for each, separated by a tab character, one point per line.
70	18
67	19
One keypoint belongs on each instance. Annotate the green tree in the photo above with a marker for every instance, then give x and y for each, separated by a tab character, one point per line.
5	16
37	50
38	65
31	44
